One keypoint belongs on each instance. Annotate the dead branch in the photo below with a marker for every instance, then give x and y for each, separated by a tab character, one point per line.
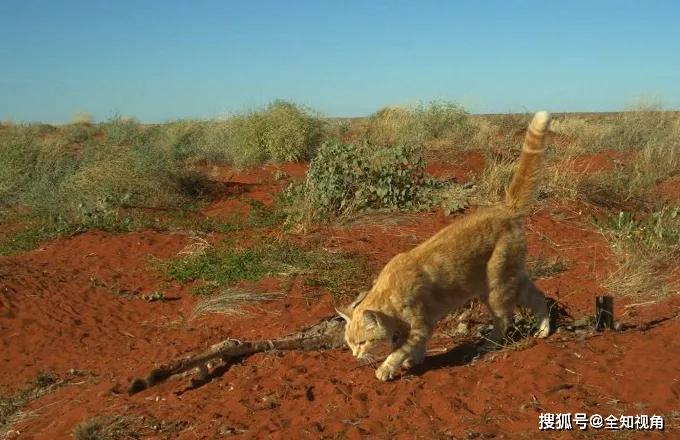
326	334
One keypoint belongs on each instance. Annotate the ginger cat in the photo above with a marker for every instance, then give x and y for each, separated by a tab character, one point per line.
482	255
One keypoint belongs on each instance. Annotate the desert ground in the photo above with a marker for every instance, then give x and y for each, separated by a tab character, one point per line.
127	245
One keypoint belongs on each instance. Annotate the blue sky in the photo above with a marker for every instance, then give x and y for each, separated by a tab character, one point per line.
159	60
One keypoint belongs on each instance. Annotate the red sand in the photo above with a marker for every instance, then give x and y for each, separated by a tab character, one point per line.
77	304
468	164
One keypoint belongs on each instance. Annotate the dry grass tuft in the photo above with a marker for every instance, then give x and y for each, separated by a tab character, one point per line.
108	428
489	187
197	246
229	301
648	249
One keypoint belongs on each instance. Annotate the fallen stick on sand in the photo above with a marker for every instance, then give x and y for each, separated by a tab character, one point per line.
326	334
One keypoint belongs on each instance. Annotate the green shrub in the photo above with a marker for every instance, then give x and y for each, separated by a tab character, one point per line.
346	178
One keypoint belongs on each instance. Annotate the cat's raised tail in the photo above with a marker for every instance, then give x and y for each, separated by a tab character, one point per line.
519	194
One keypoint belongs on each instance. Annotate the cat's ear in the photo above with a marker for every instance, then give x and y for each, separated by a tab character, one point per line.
375	318
358	299
344	314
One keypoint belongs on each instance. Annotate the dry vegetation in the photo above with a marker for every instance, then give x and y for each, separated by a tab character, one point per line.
84	175
12	405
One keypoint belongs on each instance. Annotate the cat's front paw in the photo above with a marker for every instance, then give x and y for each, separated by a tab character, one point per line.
385	372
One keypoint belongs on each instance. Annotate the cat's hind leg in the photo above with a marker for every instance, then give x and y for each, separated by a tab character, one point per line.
533	299
504	282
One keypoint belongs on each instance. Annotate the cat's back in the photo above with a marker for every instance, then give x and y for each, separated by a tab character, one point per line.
473	234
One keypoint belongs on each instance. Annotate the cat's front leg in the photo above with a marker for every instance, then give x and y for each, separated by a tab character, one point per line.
411	352
416	358
390	366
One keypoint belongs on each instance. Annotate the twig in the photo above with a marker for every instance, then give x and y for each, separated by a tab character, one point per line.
326	334
640	304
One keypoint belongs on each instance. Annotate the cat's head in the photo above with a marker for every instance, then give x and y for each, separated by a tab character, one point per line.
370	334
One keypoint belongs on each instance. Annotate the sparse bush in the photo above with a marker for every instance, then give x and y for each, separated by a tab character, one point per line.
53	164
44	174
632	130
651	141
